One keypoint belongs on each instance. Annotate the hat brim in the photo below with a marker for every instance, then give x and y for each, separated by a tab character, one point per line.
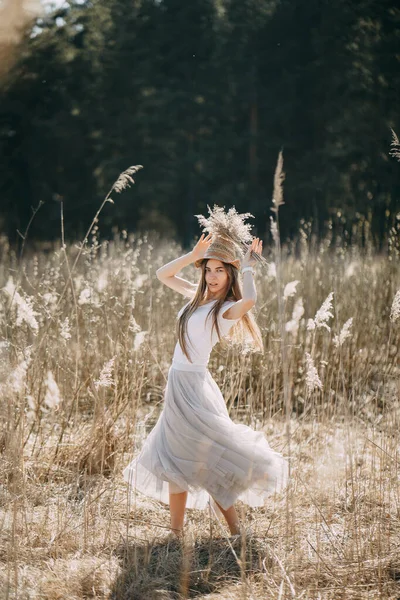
234	263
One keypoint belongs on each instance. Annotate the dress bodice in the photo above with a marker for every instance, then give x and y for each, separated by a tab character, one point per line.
200	338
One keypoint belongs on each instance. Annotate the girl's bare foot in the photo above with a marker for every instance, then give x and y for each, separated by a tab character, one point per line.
243	533
175	534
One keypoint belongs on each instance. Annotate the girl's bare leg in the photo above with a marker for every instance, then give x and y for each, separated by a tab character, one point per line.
177	505
231	518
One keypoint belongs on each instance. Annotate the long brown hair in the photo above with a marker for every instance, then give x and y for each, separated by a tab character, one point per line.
245	329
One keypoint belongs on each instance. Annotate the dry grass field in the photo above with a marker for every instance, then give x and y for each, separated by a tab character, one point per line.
84	354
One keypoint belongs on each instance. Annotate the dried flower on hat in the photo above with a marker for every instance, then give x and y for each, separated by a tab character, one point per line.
231	235
227	225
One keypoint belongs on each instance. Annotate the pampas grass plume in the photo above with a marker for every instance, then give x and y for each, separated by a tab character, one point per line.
279	177
395	146
292	326
322	315
312	379
105	379
290	289
338	340
125	179
52	397
395	310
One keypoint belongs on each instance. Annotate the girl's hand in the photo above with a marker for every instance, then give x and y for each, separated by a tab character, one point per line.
201	247
255	248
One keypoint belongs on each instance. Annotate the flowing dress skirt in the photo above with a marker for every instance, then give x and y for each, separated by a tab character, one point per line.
197	447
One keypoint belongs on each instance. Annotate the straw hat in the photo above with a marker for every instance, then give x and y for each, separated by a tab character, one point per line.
230	235
221	249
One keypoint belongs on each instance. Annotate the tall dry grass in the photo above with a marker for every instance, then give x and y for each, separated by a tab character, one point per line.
84	358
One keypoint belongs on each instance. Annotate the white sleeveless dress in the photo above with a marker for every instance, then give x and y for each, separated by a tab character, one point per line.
195	445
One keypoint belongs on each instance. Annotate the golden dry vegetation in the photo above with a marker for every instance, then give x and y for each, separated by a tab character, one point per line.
85	353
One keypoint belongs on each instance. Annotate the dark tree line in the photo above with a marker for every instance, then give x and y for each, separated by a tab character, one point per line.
204	94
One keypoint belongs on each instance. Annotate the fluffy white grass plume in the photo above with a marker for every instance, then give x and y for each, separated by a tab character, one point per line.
310	325
84	296
230	226
89	296
395	310
79	280
279	177
290	289
52	397
125	179
25	312
32	407
139	281
50	300
344	334
65	329
351	270
312	379
271	271
5	349
292	326
395	146
106	378
274	231
102	281
139	339
322	315
17	378
133	325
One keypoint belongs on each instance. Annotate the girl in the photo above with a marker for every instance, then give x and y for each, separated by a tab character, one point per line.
195	450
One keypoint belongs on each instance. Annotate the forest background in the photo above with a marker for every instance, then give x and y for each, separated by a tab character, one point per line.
204	94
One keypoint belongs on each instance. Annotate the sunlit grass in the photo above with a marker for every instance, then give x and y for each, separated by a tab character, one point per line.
83	369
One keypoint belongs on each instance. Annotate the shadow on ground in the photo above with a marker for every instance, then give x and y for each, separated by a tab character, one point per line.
171	571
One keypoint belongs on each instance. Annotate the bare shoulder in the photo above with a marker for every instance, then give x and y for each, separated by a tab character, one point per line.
238	309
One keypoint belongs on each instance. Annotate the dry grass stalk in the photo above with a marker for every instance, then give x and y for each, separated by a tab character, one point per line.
66	529
279	178
395	146
94	450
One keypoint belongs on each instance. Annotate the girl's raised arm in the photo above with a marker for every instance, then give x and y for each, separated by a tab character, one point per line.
241	307
167	273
